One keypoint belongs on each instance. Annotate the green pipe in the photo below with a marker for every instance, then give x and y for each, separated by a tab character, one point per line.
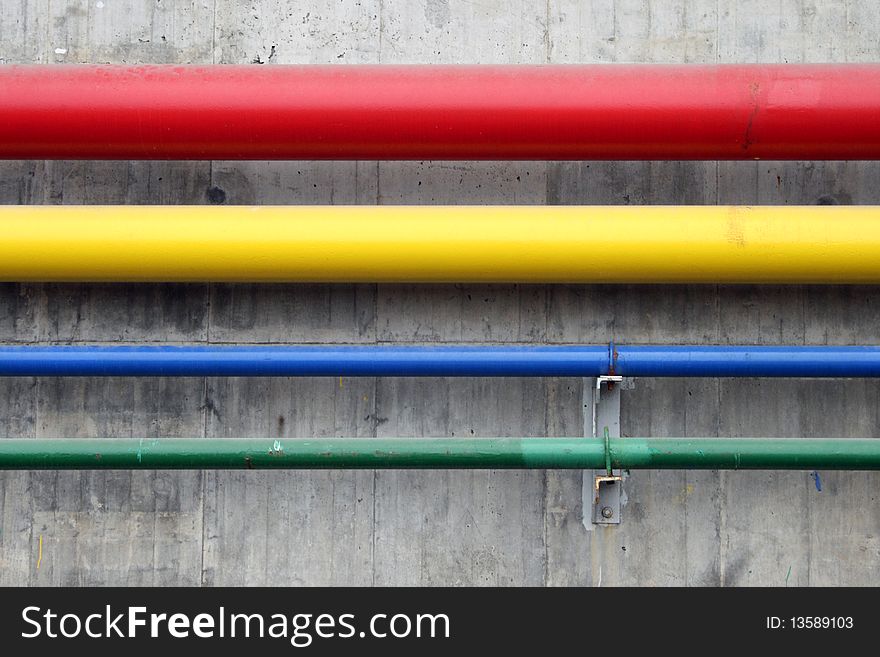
514	453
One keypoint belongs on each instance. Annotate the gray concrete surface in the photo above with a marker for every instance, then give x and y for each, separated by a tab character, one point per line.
508	528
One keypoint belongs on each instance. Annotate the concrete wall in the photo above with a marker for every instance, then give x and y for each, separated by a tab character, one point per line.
212	528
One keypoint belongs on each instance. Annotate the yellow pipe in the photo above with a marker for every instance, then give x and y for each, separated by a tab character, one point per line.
535	244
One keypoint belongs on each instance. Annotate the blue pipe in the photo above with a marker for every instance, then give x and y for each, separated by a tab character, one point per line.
744	361
445	360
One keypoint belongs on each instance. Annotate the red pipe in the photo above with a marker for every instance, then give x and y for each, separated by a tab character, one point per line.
607	112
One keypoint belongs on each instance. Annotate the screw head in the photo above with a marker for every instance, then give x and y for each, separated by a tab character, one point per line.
607	512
